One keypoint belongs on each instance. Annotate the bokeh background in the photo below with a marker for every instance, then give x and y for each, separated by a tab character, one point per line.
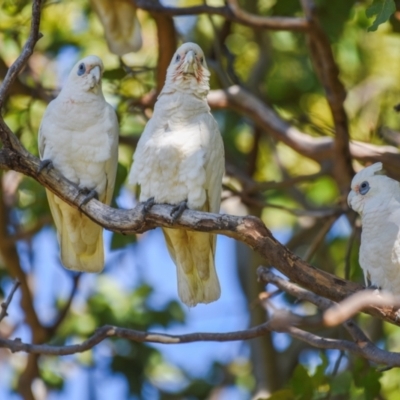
298	198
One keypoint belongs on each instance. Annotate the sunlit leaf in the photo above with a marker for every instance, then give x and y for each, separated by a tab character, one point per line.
381	10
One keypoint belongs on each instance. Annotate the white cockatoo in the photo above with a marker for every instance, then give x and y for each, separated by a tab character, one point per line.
78	136
180	160
121	25
377	199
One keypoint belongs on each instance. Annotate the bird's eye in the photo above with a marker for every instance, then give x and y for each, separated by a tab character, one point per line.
364	188
201	59
81	69
177	58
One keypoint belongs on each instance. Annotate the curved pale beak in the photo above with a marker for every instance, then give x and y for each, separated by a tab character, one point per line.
189	64
95	72
350	198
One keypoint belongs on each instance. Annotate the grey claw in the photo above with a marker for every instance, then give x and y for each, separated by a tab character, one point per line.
147	205
45	164
178	210
89	195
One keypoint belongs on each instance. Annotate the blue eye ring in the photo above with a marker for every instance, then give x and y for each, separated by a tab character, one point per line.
81	69
364	188
177	58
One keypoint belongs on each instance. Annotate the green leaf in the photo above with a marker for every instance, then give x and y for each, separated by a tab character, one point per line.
116	73
371	384
341	383
284	394
383	9
301	383
119	241
52	379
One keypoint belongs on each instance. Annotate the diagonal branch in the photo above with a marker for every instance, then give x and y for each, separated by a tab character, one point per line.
249	230
64	311
320	149
4	305
335	314
6	136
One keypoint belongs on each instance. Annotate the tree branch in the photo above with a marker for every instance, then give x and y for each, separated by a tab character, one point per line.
8	139
4	305
328	73
320	149
364	349
337	313
357	302
231	13
249	230
10	256
64	311
167	44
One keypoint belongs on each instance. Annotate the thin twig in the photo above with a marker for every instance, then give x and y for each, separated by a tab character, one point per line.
347	257
4	305
64	311
320	237
108	331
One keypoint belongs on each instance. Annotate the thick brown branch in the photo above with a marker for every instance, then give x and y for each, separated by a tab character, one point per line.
245	103
358	302
167	43
249	230
232	14
328	73
318	149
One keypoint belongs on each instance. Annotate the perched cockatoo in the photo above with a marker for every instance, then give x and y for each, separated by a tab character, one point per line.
180	160
121	25
78	136
377	199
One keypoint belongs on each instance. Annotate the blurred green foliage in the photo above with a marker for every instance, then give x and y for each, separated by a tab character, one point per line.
276	66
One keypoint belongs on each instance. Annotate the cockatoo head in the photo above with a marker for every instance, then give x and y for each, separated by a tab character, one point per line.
86	74
370	191
188	70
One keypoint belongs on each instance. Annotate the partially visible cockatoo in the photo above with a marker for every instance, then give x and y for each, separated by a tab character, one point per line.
121	25
78	136
377	199
180	160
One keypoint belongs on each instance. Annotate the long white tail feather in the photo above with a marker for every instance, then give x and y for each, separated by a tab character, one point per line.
80	239
193	255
